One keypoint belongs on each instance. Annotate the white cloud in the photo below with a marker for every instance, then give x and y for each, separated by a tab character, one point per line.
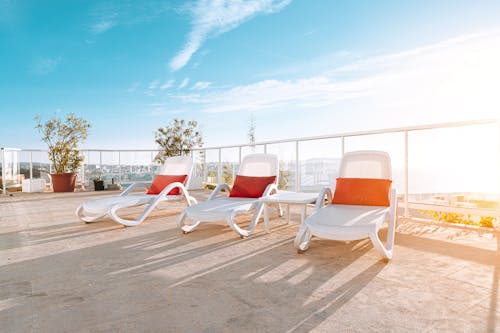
154	84
453	79
43	66
167	84
184	83
158	112
101	26
211	18
133	87
106	14
201	85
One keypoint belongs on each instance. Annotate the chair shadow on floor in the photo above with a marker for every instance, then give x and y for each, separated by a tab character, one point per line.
243	276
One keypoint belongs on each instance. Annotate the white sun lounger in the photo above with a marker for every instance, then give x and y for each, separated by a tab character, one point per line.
227	208
352	222
94	210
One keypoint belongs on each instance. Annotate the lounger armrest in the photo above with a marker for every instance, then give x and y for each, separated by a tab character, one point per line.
133	186
269	190
171	186
321	197
219	188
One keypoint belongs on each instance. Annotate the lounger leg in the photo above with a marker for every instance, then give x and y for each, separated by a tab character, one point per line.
242	232
280	210
191	201
87	219
301	242
129	223
387	250
266	217
303	214
379	246
186	228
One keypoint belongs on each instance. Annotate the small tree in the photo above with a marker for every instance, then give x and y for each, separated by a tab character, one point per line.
63	136
177	138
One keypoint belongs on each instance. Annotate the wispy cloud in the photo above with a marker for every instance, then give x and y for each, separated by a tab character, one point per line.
107	15
184	83
211	18
102	26
43	66
167	84
448	79
134	86
154	84
103	17
201	85
158	112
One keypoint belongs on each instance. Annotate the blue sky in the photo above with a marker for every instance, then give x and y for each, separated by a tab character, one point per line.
302	67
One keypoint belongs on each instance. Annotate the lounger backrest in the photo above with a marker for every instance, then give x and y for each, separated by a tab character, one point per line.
178	165
259	165
366	164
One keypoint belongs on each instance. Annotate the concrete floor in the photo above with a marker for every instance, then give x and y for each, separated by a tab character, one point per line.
58	274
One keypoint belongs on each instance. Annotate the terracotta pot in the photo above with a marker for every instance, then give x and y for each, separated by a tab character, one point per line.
63	182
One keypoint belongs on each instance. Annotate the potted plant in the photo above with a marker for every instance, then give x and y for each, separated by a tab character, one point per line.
63	136
98	184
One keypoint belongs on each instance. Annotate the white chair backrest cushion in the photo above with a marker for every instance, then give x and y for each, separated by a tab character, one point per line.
259	165
177	165
366	164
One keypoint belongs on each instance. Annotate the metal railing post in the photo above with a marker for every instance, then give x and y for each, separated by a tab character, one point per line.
4	183
31	171
342	145
297	167
498	208
265	148
100	164
219	168
83	170
31	167
119	168
239	156
406	209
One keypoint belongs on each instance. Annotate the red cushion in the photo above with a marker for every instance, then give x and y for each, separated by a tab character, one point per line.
162	181
362	191
250	187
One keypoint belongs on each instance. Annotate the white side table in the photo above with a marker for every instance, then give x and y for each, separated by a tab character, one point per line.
288	198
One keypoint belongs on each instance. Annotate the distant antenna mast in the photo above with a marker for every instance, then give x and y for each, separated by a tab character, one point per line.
251	131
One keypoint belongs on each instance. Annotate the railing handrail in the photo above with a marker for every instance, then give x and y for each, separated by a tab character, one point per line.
363	133
310	138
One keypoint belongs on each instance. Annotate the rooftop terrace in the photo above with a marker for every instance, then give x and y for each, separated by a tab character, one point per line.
58	274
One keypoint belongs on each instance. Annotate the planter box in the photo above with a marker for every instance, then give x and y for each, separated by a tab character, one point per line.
33	185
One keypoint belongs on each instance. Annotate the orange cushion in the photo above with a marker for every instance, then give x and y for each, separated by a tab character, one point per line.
250	187
362	191
162	181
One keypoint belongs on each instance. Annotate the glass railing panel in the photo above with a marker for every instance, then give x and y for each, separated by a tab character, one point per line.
11	177
41	165
286	153
110	167
318	163
138	166
92	166
230	164
455	167
212	167
254	149
199	169
392	143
